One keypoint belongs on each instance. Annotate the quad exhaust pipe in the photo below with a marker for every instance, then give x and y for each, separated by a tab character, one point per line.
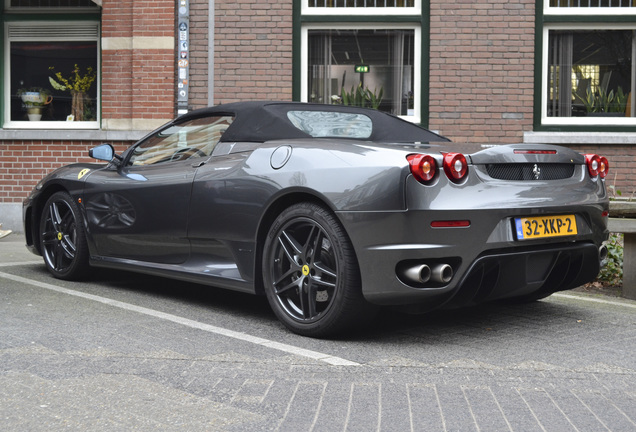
442	273
422	273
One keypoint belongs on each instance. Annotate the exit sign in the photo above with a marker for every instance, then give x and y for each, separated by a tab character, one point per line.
362	68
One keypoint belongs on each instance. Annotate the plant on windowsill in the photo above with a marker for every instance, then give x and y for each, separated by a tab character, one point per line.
362	97
34	101
604	103
78	85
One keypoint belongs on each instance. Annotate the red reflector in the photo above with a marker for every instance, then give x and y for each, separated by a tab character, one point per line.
605	213
535	152
450	224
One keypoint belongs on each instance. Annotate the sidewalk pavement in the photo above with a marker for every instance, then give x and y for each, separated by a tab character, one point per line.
70	362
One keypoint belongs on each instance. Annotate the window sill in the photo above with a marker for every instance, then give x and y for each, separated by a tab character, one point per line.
69	135
565	138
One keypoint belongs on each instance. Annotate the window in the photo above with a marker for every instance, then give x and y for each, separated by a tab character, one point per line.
51	4
371	65
360	3
589	7
53	78
190	139
321	124
591	3
361	7
590	73
588	66
369	68
364	53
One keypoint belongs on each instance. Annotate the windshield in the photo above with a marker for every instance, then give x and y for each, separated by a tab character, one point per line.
194	138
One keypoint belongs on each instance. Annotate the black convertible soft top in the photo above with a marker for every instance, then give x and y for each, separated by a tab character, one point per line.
261	121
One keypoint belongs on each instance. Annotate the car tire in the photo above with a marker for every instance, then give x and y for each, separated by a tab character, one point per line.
63	238
311	273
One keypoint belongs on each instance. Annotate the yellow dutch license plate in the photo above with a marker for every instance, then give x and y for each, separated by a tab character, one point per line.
545	226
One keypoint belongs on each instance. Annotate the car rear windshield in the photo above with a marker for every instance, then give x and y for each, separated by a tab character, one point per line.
324	124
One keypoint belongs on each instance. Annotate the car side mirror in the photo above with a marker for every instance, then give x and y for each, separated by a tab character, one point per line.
104	152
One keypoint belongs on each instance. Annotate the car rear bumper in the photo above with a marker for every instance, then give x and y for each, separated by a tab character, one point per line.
485	259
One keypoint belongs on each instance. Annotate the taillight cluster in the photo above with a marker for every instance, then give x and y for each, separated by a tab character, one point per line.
424	167
596	165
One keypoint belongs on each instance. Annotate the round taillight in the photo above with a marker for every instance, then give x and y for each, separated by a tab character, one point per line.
455	166
423	167
604	168
593	164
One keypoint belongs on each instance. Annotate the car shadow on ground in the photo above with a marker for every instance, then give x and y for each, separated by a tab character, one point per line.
209	297
387	323
501	322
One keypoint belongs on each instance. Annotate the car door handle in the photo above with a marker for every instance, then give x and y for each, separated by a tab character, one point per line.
198	164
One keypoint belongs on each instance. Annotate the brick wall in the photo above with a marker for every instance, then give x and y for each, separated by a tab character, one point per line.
35	160
117	22
253	44
482	69
138	73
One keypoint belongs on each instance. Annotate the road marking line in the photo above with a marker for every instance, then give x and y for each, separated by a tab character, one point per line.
290	349
19	263
596	300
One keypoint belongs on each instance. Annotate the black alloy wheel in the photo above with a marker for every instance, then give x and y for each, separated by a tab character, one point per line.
63	239
311	275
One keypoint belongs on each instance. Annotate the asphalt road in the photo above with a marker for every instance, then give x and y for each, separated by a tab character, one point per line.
129	352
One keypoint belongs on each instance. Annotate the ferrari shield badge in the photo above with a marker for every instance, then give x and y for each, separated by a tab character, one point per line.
82	173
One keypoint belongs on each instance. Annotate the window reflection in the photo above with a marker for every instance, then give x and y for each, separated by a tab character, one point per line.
35	98
371	68
190	139
590	73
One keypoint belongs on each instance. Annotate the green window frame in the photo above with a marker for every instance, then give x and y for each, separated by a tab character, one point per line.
29	28
585	66
412	19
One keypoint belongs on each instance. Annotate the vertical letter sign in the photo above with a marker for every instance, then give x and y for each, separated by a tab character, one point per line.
183	55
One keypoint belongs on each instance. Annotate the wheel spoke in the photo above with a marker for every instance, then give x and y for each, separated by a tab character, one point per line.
67	221
49	238
290	246
54	214
308	301
68	246
310	249
58	256
293	284
323	283
323	271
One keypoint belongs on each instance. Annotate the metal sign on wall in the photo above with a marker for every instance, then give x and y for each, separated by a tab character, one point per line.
183	55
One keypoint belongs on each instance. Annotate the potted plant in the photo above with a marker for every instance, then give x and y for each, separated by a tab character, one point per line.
362	97
34	100
78	85
602	102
